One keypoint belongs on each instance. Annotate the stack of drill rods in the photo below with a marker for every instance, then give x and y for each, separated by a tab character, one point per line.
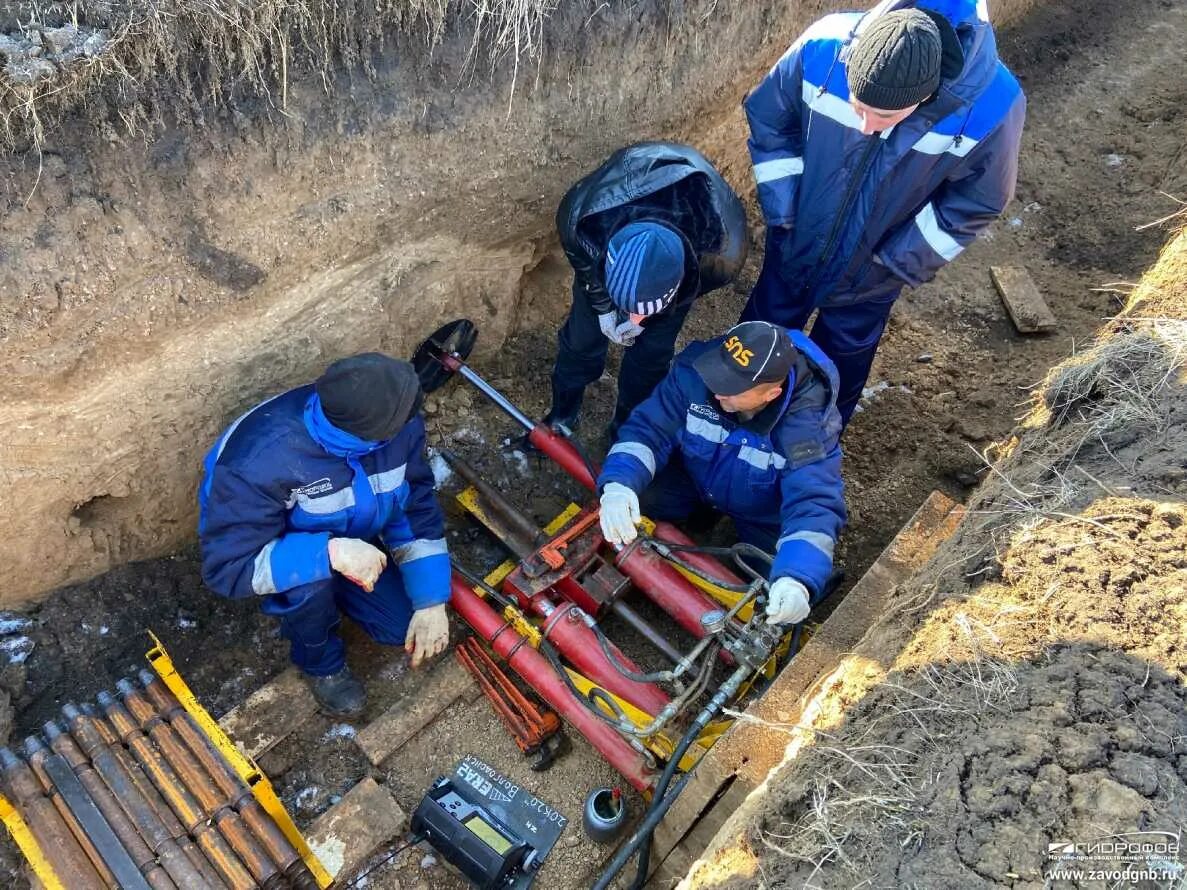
144	858
92	739
35	754
233	789
57	842
220	833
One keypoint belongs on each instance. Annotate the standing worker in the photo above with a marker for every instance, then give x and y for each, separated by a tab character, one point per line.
304	498
646	233
882	144
746	425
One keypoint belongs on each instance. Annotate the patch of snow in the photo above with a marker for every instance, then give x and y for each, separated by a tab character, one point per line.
1016	222
16	649
104	630
869	393
13	625
1032	207
442	472
521	462
186	623
1114	160
339	731
428	860
306	796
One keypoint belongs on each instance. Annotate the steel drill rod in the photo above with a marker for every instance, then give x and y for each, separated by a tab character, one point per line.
521	535
185	843
57	843
35	754
173	789
86	742
283	853
146	861
644	629
215	805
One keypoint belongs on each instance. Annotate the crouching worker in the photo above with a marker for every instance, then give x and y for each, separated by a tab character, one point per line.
320	502
646	233
746	425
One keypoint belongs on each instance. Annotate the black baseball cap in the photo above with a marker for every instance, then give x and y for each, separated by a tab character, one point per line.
750	354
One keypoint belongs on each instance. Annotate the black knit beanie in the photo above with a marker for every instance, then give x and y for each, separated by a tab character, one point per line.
369	395
895	62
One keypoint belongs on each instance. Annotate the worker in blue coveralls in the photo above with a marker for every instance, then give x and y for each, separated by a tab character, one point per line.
882	144
745	424
650	230
320	503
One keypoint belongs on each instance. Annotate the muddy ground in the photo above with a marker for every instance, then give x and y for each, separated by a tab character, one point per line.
1107	89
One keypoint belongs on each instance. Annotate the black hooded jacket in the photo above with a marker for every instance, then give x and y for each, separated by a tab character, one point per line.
662	182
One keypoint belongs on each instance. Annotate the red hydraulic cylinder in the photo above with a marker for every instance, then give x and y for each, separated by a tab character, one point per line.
562	453
567	630
712	567
538	673
667	588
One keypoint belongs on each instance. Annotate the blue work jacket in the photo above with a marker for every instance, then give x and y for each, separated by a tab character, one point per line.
853	218
783	467
281	481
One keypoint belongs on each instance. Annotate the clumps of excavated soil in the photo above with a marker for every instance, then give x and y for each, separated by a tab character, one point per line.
1029	687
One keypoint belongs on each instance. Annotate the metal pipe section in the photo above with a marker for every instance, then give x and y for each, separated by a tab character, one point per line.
35	755
266	831
215	804
57	843
132	842
538	673
86	745
568	628
179	798
157	805
641	626
519	534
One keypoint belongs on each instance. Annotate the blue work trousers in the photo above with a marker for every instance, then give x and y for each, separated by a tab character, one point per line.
848	334
310	614
581	359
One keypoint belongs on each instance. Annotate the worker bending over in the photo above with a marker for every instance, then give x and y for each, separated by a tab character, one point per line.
320	503
646	233
747	425
882	142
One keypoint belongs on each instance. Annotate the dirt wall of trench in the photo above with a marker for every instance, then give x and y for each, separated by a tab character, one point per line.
152	286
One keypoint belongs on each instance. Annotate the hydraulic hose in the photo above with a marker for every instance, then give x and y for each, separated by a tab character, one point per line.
662	801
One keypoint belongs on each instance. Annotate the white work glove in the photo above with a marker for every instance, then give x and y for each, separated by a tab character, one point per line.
622	333
787	602
357	560
619	513
428	633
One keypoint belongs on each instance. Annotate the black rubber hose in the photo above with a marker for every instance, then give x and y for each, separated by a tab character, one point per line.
660	803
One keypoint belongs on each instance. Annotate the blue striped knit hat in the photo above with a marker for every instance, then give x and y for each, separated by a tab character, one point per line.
644	267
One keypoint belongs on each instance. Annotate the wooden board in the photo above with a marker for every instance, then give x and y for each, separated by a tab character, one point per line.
270	713
351	830
740	761
1028	310
392	729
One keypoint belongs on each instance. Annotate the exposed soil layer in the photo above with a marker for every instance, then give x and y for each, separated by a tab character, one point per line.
1106	119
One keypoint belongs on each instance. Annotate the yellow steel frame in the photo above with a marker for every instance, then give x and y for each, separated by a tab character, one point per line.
28	845
659	744
244	766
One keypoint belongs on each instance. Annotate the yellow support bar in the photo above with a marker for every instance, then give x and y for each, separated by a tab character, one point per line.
244	766
28	845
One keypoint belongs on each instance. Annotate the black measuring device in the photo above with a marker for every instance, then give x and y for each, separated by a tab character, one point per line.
489	828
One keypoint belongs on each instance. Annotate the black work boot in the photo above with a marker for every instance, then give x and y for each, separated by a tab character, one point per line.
340	694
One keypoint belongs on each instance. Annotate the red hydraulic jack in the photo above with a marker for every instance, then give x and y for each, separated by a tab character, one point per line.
569	580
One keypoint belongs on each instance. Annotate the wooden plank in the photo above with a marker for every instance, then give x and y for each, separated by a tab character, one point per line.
270	713
392	729
351	830
1028	310
747	752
